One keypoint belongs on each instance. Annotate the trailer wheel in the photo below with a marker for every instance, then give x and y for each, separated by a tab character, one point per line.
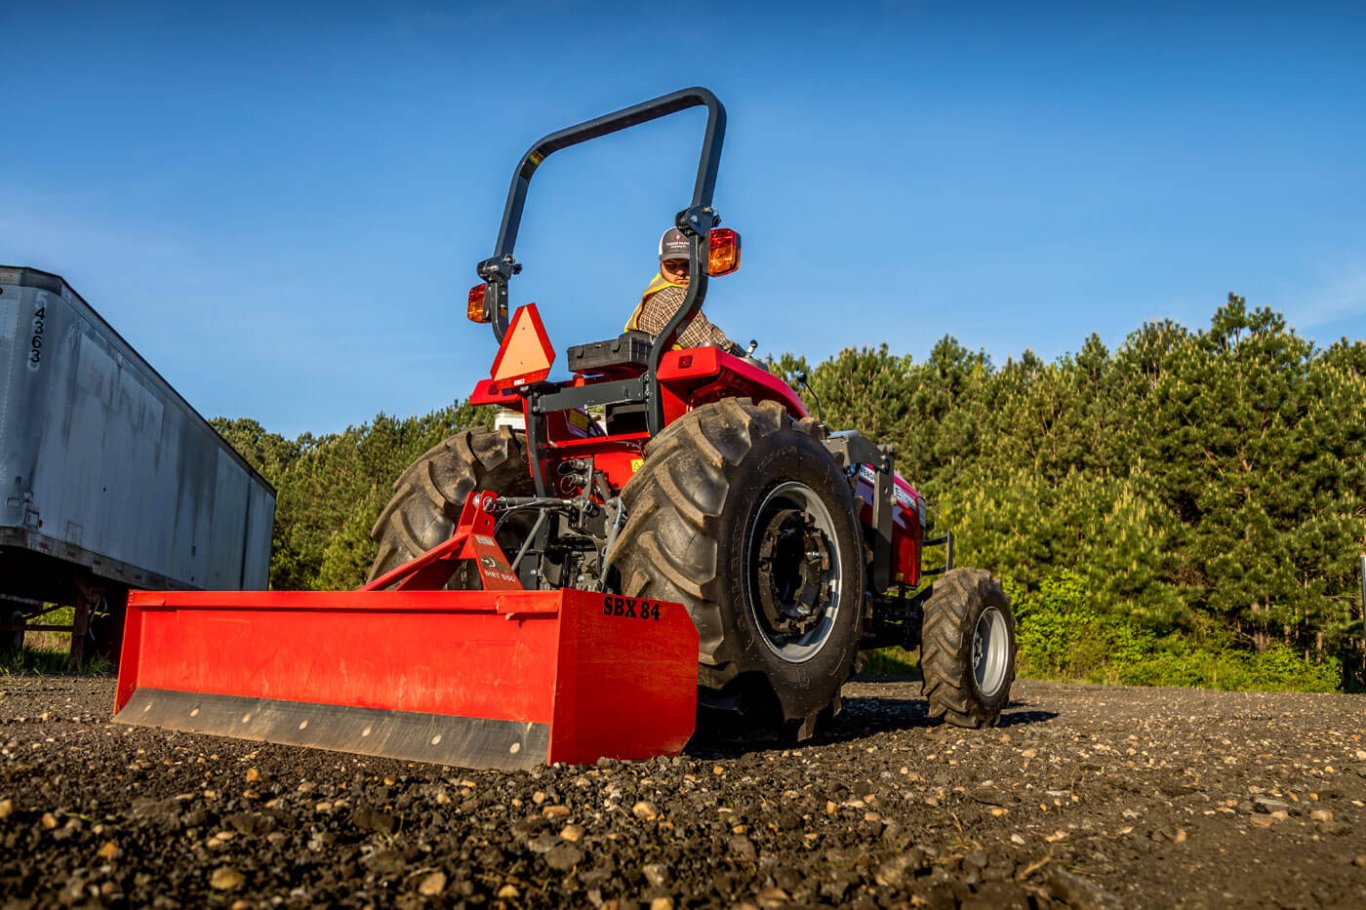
429	495
742	514
967	649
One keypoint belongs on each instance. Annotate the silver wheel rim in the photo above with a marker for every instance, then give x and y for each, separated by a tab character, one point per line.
819	622
990	644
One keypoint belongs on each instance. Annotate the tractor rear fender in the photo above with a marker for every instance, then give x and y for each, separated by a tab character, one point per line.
693	377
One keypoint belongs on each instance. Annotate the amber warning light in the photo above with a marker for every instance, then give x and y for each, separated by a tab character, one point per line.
723	251
475	310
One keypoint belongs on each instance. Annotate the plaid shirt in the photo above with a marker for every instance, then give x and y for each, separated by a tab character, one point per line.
657	309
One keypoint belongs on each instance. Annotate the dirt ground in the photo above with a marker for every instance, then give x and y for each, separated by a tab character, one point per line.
1083	797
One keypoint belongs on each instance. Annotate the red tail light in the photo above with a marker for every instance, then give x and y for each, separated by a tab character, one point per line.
723	253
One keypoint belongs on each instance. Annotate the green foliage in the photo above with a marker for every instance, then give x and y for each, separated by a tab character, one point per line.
1277	669
330	489
917	407
1062	636
1112	533
1204	487
1055	628
349	551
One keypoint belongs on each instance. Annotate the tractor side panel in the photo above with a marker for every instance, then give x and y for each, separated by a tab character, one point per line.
908	529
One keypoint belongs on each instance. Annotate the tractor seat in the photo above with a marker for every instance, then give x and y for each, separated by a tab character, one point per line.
628	353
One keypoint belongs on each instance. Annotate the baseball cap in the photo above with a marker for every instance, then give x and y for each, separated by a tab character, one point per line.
673	245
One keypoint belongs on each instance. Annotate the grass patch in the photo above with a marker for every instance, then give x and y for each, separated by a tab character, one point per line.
35	662
894	661
57	642
49	653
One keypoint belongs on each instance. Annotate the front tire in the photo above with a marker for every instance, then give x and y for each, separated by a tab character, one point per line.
967	649
740	513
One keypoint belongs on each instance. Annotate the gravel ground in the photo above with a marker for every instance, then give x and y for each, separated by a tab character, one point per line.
1084	797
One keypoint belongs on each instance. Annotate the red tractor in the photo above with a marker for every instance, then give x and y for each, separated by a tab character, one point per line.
693	476
667	537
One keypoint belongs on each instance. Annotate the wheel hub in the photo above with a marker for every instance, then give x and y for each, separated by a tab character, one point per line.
793	558
990	644
795	571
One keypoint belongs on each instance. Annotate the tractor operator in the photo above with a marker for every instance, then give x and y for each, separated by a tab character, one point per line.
665	295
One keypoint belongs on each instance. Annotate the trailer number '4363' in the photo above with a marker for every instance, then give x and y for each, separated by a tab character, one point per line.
35	349
629	608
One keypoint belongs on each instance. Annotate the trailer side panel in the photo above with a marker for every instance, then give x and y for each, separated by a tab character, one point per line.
104	467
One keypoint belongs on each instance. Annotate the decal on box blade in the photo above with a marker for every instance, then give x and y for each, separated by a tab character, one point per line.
486	541
492	569
629	608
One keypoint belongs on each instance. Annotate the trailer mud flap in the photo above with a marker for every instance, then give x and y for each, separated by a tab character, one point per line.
477	679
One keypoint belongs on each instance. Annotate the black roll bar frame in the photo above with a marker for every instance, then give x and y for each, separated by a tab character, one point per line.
696	221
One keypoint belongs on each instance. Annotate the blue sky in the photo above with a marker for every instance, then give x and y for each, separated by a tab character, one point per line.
281	205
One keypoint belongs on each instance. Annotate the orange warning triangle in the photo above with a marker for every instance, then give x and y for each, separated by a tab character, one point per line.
525	355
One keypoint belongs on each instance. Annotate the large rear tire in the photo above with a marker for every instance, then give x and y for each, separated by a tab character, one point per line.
429	495
967	649
740	513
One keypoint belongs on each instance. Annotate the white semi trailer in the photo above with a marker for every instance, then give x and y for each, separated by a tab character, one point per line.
109	479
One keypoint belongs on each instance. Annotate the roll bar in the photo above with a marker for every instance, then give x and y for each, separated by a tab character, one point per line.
694	221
